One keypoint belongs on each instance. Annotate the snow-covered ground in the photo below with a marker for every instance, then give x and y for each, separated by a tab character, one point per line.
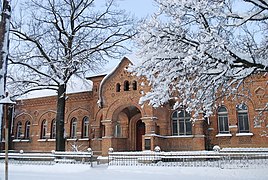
103	172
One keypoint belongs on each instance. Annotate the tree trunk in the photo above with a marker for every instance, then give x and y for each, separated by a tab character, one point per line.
60	139
4	48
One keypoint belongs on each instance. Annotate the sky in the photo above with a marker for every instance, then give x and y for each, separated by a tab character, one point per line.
140	9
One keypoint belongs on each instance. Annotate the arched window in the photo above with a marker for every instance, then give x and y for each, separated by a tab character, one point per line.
117	130
53	129
181	124
126	86
223	123
134	85
243	123
85	127
27	130
118	86
43	129
73	128
19	130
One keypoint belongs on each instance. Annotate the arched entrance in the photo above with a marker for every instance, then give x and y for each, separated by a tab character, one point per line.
140	130
127	129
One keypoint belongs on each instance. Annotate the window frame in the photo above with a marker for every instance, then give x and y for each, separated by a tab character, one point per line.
117	87
53	129
85	127
243	113
223	126
73	129
43	129
181	123
27	130
117	129
126	85
134	85
19	130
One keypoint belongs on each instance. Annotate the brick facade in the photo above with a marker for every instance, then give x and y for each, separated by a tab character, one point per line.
117	120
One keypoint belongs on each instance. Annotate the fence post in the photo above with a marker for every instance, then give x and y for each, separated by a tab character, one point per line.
110	150
89	150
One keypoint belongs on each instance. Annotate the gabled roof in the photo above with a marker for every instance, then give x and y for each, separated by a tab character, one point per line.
108	76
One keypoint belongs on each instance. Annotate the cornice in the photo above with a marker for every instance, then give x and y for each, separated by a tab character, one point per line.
52	100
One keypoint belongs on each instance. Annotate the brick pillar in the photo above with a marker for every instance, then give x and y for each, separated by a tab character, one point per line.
107	139
199	136
95	132
108	127
150	126
199	127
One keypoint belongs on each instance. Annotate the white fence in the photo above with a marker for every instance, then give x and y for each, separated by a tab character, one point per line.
48	158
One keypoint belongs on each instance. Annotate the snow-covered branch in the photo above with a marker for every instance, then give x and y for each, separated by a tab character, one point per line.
193	55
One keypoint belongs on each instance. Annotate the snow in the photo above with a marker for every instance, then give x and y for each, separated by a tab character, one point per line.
103	172
194	53
75	85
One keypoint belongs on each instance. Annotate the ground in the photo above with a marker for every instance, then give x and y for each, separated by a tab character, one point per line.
103	172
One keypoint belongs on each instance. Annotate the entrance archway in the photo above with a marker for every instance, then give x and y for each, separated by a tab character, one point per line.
127	128
140	131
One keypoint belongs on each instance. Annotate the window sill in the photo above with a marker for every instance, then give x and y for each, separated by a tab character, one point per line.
25	140
51	140
72	139
83	139
224	135
16	140
244	134
42	140
182	136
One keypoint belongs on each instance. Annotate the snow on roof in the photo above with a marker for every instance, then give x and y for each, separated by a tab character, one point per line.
75	85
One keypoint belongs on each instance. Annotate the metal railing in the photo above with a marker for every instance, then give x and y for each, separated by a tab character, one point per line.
189	159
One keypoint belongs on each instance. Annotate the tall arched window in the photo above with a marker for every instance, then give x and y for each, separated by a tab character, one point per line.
43	129
243	122
118	86
85	127
73	128
223	123
117	130
53	129
126	86
134	85
19	130
27	130
181	124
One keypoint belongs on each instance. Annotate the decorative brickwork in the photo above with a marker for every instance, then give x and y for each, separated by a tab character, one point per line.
116	119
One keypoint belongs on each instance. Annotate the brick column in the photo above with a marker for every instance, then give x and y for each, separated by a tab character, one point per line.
199	127
150	128
108	127
150	125
107	139
199	136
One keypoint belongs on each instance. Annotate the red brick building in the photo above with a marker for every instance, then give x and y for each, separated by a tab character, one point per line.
109	115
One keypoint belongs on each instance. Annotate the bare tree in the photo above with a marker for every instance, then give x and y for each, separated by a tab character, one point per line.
57	39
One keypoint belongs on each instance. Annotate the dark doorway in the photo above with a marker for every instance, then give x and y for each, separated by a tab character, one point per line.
140	130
